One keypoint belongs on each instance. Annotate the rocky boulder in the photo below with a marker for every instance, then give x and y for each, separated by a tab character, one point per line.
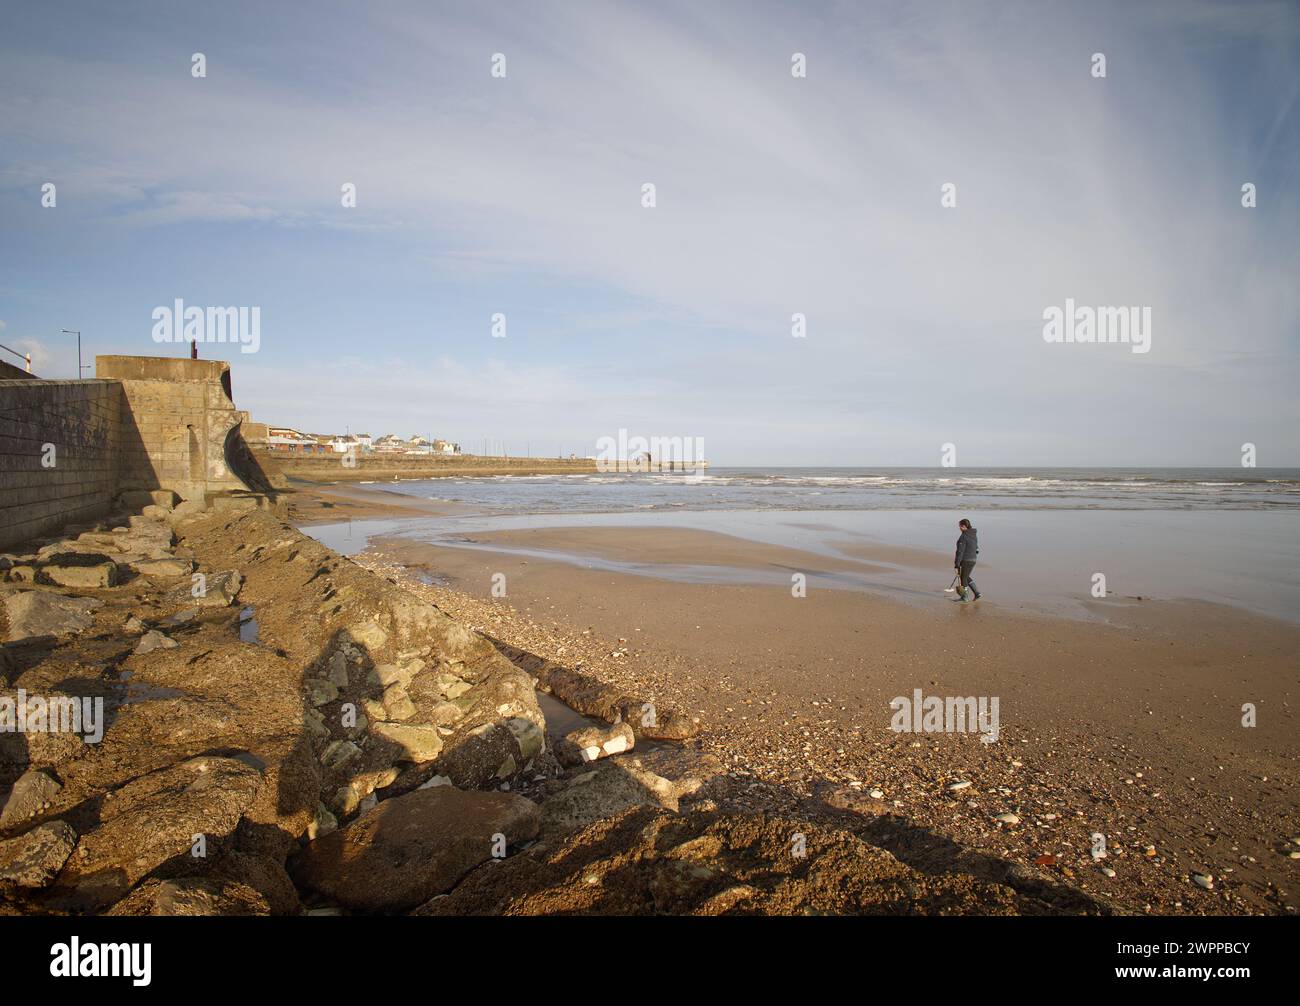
155	640
84	570
162	569
41	613
32	860
31	794
410	848
593	743
152	821
608	789
191	896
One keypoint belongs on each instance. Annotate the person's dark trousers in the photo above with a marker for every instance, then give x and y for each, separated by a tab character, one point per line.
966	580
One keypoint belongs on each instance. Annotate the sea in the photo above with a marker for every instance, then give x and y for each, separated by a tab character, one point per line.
876	489
1224	535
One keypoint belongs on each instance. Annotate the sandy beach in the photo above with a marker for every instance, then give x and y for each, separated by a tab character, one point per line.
1126	725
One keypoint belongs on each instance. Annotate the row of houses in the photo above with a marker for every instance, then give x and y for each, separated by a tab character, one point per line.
286	440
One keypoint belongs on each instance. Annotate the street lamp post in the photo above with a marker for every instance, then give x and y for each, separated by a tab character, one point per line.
80	368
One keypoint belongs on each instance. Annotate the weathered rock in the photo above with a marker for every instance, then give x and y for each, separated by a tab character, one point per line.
219	589
97	540
192	896
445	713
456	688
528	735
265	875
138	499
339	753
413	847
338	669
592	743
183	511
153	820
603	792
236	504
475	759
397	704
182	617
418	743
52	551
348	798
320	691
33	859
206	896
369	635
32	792
162	569
155	640
322	824
647	861
82	571
386	675
41	613
40	749
145	536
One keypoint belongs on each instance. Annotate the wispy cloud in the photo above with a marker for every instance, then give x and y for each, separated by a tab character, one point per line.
775	195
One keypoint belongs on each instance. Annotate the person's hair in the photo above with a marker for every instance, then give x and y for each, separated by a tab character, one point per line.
963	523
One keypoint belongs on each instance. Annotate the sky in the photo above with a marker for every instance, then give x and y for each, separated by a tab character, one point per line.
776	195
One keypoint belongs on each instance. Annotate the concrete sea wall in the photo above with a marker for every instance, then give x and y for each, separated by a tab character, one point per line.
67	448
60	446
368	467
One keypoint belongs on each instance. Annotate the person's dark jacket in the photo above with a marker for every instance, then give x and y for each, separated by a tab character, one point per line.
967	547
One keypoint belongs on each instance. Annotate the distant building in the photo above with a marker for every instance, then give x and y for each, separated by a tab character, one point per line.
344	445
286	440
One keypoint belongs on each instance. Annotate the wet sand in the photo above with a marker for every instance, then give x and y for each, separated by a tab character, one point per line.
680	547
1129	725
312	503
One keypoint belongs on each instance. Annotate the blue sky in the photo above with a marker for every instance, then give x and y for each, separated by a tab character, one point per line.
775	195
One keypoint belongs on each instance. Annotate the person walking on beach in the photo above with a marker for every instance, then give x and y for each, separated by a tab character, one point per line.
964	561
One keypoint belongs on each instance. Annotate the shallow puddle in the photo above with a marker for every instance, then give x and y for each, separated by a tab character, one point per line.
248	630
560	719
